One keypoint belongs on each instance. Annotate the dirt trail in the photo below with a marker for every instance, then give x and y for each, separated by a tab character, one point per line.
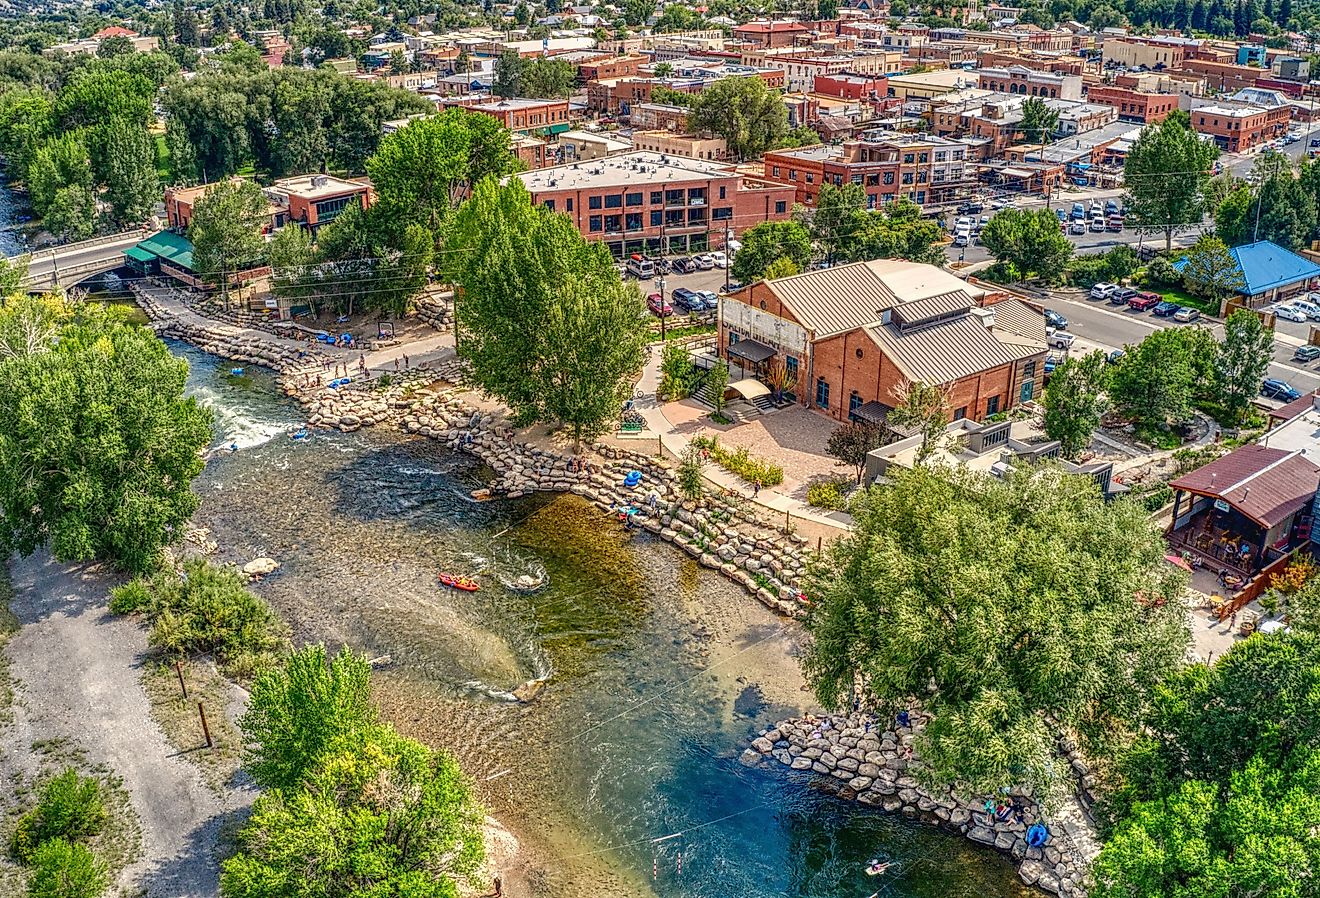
76	670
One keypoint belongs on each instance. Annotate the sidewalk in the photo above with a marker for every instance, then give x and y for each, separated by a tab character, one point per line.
829	524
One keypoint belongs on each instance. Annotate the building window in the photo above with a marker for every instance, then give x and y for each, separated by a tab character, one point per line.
614	201
549	204
674	197
854	403
780	207
329	209
634	199
657	218
657	196
696	216
992	406
1029	369
595	224
792	175
775	171
568	204
723	213
889	177
959	414
722	192
925	157
908	157
593	202
613	224
633	221
822	393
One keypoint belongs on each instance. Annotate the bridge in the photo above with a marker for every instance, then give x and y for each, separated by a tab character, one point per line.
63	266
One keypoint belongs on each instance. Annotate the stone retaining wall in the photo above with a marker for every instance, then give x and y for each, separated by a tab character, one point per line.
864	762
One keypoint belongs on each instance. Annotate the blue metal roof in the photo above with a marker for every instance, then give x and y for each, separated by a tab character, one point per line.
1267	265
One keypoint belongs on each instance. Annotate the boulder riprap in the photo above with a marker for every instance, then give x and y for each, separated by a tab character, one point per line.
859	759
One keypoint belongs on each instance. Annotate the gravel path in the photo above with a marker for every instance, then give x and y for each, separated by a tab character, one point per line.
76	669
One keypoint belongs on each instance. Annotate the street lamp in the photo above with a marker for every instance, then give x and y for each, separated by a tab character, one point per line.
660	282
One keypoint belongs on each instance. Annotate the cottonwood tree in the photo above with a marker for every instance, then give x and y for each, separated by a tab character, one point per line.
547	325
1039	121
1241	360
98	446
1211	270
1165	174
768	242
225	231
1000	604
1155	382
129	160
1074	401
744	111
1030	241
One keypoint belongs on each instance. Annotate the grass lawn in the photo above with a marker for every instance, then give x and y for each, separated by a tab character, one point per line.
162	159
1183	298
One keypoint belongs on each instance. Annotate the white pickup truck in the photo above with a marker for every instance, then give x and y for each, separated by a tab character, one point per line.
1058	339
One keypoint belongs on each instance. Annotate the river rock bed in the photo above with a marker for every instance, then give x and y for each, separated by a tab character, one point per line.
860	761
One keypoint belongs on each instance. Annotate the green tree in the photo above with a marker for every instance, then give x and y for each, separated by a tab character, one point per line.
365	262
676	373
1165	174
850	443
98	446
801	136
1039	121
1243	357
546	77
303	709
508	75
13	273
690	481
93	97
749	115
1074	402
1030	241
1280	210
897	231
546	323
292	257
424	170
838	217
717	381
225	230
924	597
27	119
783	267
60	162
1153	382
117	45
923	408
1211	270
72	214
132	185
767	242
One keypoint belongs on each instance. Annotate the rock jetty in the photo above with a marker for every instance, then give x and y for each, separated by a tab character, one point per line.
860	760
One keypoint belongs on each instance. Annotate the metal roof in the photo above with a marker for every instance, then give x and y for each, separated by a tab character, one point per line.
169	246
954	349
846	297
1267	485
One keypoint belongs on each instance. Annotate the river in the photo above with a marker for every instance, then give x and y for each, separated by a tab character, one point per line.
658	669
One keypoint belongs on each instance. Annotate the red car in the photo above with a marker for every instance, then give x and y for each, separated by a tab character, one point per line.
1145	300
656	303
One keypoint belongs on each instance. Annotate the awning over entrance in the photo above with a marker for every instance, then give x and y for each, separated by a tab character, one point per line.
1016	172
139	255
166	246
873	412
752	351
749	388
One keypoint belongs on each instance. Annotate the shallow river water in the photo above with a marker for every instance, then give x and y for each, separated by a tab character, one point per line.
657	669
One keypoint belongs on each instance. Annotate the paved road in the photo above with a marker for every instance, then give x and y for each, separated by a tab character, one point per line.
74	259
1100	325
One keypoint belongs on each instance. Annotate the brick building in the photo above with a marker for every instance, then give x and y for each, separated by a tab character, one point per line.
855	335
1134	105
1223	77
528	116
771	34
659	117
646	202
689	146
1030	82
609	66
1236	127
1147	52
923	169
851	87
307	200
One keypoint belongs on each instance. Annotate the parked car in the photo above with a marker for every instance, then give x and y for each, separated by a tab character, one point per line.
1063	215
721	260
731	287
1077	227
662	266
1307	353
640	267
684	265
686	300
1114	223
1165	309
1186	314
709	299
1102	290
1311	309
1114	356
1122	296
1111	208
1273	388
1055	320
962	239
971	208
1078	211
656	303
1097	224
1290	312
1058	339
964	223
1003	202
1144	300
704	262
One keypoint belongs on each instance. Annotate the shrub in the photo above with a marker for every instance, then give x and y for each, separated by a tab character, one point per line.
1157	498
676	373
828	494
1160	272
206	608
1001	273
1296	575
741	462
690	482
62	869
69	807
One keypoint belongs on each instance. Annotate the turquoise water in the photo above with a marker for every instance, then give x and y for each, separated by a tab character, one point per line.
658	670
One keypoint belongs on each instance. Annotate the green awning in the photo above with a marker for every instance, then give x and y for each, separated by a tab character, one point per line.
168	247
139	255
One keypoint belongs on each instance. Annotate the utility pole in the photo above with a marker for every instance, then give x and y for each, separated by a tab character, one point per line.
728	259
660	282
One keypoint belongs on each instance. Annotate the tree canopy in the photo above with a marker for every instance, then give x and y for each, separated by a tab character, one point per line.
225	229
1166	172
98	446
1155	381
544	320
744	111
996	602
767	242
1211	270
1241	360
1029	241
1074	401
